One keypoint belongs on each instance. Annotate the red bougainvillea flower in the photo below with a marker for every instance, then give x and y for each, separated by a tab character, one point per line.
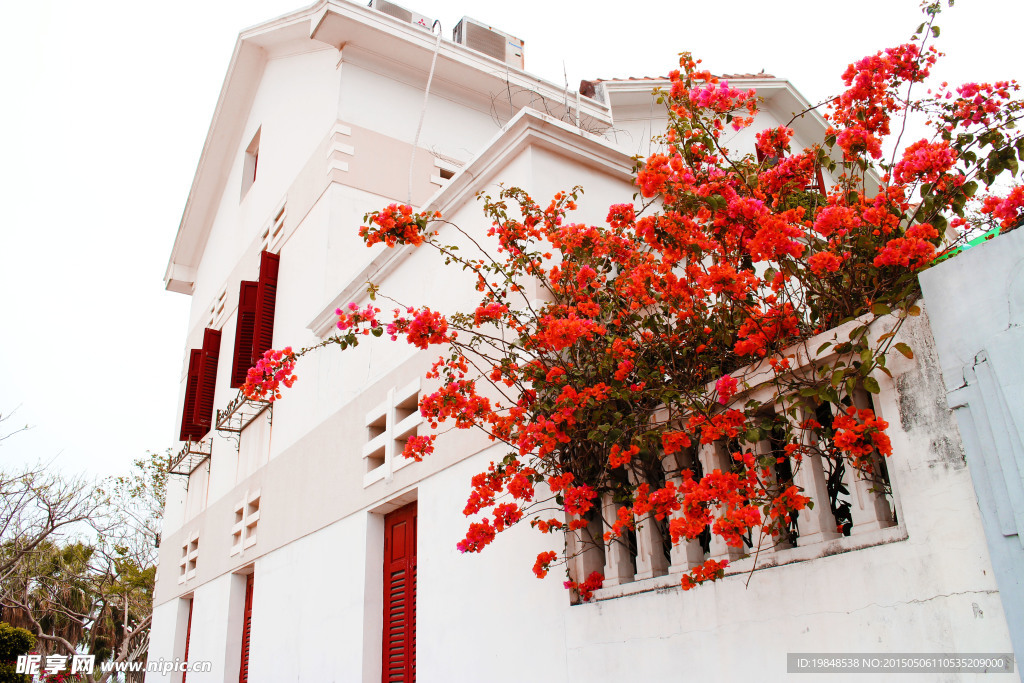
1008	209
263	381
859	433
708	571
396	224
726	388
544	560
585	589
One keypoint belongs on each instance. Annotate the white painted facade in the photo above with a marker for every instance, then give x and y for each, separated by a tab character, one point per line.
334	93
977	304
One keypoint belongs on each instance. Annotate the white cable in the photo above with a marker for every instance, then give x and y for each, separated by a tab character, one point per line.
423	111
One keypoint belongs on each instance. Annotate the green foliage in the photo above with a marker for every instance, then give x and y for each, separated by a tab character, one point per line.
13	642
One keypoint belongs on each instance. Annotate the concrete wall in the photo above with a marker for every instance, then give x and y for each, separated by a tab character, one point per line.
976	306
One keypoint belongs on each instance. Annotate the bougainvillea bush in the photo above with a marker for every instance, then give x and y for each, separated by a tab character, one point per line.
606	384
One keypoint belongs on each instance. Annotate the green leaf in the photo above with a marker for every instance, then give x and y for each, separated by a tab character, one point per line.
935	31
881	309
871	384
904	349
822	348
377	331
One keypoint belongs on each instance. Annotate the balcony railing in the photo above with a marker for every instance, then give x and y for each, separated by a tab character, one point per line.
190	457
850	511
240	413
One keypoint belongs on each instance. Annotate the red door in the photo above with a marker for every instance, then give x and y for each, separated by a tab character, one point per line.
188	638
400	596
243	671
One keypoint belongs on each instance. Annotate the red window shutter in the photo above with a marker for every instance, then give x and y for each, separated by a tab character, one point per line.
245	328
399	665
203	417
266	302
243	670
819	181
189	431
188	637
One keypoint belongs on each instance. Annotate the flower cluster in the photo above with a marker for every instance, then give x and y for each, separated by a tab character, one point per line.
353	318
860	434
263	381
396	224
544	560
1008	210
418	447
585	589
708	571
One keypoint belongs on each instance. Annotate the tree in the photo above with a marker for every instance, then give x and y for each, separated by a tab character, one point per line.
654	330
77	593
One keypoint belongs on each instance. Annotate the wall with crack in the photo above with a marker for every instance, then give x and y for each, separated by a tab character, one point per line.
976	308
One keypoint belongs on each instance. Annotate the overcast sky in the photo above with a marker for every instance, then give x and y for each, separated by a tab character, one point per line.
106	106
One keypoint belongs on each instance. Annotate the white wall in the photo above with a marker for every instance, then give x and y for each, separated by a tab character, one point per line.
976	308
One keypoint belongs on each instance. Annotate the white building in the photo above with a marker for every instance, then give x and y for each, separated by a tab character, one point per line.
272	564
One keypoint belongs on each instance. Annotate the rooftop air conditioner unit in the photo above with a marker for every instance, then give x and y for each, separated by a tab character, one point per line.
483	38
393	10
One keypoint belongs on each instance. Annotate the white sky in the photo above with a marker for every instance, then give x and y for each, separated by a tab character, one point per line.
107	103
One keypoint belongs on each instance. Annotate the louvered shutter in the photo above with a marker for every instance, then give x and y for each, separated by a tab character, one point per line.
203	417
819	180
243	670
245	328
188	638
189	431
266	302
399	663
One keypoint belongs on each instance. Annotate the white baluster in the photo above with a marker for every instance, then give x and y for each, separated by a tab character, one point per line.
618	564
687	553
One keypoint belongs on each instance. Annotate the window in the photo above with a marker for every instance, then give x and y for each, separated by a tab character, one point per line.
247	518
189	559
399	637
216	318
251	161
270	238
201	383
389	426
254	327
444	170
